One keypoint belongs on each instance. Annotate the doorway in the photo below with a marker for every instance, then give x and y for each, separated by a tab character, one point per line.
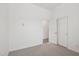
45	31
62	31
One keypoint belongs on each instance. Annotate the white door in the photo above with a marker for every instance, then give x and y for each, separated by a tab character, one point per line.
63	31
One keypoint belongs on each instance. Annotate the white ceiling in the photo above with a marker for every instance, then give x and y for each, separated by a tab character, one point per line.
49	6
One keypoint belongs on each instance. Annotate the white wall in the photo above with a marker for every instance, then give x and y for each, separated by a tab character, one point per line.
4	30
72	11
31	33
53	31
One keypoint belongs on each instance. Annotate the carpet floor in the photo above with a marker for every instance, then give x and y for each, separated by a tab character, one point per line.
47	49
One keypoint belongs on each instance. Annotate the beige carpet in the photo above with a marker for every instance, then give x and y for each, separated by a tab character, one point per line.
47	49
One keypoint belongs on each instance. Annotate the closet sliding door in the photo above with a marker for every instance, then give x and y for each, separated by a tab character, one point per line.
62	29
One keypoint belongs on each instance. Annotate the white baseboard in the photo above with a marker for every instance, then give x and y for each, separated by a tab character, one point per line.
24	47
77	51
